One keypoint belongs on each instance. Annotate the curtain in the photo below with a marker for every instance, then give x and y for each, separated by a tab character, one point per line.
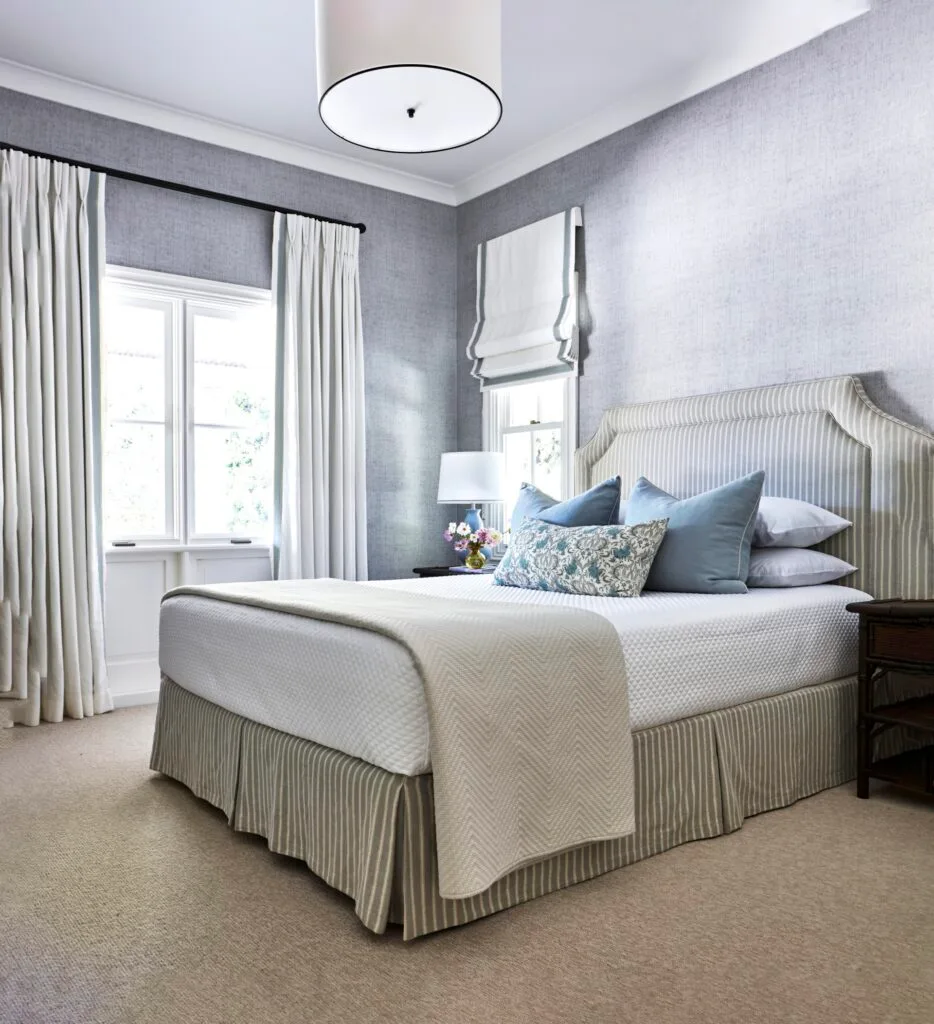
320	471
51	570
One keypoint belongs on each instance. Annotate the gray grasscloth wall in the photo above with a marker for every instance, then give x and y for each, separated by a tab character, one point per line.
407	269
777	228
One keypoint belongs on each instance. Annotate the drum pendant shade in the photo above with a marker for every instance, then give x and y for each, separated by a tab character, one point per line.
409	76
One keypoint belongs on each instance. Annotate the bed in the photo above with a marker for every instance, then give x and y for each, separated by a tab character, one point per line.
738	704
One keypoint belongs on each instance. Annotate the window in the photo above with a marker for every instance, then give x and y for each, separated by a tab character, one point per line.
189	369
537	432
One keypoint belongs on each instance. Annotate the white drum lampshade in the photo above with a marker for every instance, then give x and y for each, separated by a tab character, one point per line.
409	76
471	477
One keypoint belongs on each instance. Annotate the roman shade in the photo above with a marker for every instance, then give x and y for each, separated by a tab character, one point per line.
527	303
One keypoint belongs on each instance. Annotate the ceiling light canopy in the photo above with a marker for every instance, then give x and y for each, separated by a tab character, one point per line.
409	76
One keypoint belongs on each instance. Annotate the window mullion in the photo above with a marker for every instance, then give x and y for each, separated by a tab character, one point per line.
186	506
171	448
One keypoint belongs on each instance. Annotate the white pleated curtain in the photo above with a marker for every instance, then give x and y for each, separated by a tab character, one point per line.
51	571
320	479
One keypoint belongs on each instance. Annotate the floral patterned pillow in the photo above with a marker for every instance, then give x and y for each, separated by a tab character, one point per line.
609	561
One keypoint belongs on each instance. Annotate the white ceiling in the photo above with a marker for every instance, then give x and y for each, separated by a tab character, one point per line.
242	74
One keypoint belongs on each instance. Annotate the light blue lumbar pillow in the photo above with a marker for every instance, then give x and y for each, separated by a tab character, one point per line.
706	548
597	507
608	561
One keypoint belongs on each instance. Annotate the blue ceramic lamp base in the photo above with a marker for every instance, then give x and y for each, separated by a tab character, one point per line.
474	520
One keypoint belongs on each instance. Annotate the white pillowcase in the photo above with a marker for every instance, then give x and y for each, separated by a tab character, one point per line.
794	567
790	523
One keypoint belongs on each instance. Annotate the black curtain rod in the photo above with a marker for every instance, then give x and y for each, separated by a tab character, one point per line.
174	186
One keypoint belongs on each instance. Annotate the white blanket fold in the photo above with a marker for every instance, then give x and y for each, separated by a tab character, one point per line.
528	715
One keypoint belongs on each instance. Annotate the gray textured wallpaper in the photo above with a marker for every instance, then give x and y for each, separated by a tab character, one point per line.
407	269
777	228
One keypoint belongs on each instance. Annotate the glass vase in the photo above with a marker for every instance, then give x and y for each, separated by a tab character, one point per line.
475	558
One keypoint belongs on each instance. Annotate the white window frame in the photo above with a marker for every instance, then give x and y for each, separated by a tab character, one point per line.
183	298
568	426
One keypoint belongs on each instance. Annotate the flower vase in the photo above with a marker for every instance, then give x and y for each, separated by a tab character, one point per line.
476	558
473	519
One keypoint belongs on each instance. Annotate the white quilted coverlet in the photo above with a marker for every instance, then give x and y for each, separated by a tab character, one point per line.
531	749
359	692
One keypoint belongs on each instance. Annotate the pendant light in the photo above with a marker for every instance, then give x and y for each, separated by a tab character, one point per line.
409	76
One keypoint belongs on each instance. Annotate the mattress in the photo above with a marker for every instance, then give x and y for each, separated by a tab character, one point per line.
360	693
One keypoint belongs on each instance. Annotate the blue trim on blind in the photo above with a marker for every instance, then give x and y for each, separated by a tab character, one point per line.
563	308
481	311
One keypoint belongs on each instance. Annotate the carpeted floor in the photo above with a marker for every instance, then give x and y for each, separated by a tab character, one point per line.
124	899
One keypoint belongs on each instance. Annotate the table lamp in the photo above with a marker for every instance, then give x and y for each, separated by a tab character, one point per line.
468	478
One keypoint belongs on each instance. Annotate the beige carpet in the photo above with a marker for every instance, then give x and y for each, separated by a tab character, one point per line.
125	899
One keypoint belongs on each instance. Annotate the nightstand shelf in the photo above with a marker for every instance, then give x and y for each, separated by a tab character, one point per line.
917	713
895	636
912	770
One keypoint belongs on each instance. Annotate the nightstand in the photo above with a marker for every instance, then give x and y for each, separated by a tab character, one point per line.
895	636
452	570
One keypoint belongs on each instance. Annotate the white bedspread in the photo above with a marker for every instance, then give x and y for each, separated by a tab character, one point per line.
531	749
685	654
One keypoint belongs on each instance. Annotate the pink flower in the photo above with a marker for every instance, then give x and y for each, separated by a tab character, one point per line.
460	545
448	536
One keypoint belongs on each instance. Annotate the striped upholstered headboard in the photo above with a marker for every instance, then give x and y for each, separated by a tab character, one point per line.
822	441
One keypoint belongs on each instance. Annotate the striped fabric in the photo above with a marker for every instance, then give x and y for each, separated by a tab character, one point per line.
821	441
370	834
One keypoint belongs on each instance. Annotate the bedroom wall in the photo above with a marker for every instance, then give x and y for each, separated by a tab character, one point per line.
407	269
777	228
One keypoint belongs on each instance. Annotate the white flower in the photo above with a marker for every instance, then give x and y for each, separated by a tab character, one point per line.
463	529
452	527
472	538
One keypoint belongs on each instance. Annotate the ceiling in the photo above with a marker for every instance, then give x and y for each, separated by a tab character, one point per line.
242	74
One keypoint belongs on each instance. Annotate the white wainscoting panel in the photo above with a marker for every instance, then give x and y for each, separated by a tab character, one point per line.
135	581
214	569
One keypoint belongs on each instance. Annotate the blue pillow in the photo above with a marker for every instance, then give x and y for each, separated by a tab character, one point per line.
706	548
609	561
597	507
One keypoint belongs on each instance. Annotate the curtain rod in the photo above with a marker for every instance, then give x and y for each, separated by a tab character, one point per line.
174	186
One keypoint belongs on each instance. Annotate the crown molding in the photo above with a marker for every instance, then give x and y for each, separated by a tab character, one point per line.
72	93
645	104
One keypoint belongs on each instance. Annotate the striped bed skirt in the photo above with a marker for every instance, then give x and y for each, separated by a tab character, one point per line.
370	833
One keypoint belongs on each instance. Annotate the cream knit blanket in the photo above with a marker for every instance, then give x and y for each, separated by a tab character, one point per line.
528	716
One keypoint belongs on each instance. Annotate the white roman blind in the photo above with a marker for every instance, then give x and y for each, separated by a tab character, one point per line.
527	303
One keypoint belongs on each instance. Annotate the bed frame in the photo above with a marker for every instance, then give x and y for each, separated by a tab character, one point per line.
822	441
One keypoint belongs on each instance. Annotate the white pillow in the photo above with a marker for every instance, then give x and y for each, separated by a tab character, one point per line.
789	523
794	567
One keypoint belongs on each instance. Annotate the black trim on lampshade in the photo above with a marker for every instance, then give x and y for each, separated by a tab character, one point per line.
412	152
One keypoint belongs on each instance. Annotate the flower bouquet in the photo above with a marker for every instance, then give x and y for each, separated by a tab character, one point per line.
471	541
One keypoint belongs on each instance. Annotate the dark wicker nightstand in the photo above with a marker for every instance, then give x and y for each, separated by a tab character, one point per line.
895	636
451	570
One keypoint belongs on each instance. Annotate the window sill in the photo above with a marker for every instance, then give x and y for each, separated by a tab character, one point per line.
255	547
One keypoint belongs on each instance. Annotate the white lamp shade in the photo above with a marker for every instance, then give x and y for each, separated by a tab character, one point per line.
471	477
409	76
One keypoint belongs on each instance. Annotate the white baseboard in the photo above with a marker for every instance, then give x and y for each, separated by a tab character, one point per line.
132	700
133	681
